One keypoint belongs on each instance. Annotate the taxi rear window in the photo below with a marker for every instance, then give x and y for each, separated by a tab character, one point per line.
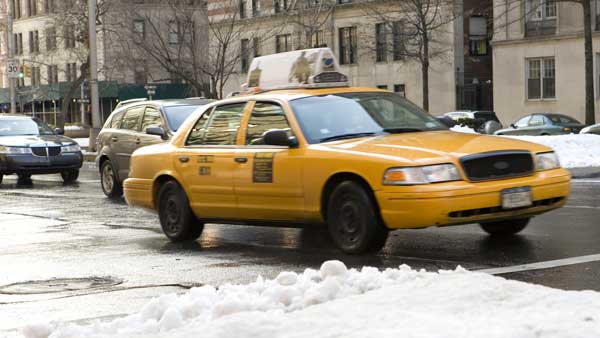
327	116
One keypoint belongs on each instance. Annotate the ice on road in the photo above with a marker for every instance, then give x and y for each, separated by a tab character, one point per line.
338	302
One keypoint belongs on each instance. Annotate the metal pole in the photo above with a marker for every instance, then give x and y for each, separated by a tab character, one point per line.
94	100
11	54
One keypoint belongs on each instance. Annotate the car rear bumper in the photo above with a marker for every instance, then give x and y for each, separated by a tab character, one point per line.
456	203
31	164
139	192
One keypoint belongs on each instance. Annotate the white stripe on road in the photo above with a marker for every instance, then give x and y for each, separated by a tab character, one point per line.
581	207
543	265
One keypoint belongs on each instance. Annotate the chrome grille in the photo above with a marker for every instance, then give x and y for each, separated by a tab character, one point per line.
53	151
39	151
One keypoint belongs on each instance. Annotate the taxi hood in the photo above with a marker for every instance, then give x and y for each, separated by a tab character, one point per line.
430	147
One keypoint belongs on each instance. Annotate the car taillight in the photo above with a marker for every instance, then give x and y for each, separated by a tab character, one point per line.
567	129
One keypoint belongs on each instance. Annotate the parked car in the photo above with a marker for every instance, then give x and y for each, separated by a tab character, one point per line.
543	124
479	118
28	146
593	129
358	161
134	125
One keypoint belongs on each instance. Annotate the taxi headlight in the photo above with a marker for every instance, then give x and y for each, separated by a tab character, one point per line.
14	150
72	148
421	175
546	161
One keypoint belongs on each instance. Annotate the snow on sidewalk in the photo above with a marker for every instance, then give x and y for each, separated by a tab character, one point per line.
573	150
336	302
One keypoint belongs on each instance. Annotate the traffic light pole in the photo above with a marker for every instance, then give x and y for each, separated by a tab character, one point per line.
94	100
11	54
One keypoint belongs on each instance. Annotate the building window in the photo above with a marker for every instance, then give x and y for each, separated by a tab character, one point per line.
242	9
34	42
478	39
283	43
380	43
70	36
71	72
400	89
540	17
32	7
51	38
347	40
341	2
541	79
598	15
173	33
245	55
398	48
35	76
384	87
16	9
316	39
52	71
255	7
256	47
18	43
139	29
280	5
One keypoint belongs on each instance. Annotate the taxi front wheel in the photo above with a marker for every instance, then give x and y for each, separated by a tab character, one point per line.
177	220
506	227
353	222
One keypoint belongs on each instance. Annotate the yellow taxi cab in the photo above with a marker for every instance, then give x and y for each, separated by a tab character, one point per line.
303	148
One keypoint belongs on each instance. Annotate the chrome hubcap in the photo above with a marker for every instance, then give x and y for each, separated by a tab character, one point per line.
108	180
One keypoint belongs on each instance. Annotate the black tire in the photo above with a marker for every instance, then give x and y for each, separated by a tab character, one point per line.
545	134
177	220
1	177
506	227
24	179
70	176
353	220
111	186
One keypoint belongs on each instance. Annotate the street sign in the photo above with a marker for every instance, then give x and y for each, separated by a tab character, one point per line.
150	89
83	100
12	69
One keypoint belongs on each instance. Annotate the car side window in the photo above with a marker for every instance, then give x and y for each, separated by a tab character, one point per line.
220	128
536	120
522	122
132	118
151	118
265	117
115	122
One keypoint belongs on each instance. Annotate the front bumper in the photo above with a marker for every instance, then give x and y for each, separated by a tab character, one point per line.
32	164
463	202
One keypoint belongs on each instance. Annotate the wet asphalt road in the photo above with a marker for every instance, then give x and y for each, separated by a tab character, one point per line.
50	231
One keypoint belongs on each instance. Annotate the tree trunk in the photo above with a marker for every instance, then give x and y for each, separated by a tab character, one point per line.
66	102
425	72
590	111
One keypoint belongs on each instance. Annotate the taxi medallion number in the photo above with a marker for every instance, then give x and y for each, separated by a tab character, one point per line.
516	198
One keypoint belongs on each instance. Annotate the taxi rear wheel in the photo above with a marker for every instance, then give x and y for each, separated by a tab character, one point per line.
108	180
505	228
177	220
353	221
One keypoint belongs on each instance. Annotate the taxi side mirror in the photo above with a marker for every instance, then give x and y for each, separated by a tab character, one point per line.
158	131
279	137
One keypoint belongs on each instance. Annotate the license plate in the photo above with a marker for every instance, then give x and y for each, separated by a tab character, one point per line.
516	198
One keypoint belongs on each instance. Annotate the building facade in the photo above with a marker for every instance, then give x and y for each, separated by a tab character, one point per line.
539	58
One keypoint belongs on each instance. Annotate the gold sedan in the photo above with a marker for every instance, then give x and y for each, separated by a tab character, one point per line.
361	161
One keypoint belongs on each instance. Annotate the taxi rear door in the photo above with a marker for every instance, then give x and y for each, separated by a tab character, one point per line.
206	162
267	179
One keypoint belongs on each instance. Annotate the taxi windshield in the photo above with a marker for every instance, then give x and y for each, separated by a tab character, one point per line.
349	115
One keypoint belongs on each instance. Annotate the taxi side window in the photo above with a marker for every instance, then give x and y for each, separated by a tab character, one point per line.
115	122
132	118
151	118
220	128
265	116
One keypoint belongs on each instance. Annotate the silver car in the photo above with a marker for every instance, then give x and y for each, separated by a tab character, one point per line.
132	126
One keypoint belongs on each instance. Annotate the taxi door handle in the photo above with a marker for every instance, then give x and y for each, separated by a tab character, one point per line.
241	159
184	159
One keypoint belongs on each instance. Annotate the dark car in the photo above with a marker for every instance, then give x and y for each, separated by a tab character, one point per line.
28	146
593	129
135	125
543	124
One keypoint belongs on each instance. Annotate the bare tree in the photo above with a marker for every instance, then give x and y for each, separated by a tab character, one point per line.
419	31
311	18
512	12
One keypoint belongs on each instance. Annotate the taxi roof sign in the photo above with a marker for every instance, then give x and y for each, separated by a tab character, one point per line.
307	68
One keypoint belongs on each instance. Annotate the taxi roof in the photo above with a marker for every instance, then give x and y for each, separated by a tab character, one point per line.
296	93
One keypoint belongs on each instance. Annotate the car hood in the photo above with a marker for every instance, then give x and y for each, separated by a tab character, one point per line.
429	147
28	140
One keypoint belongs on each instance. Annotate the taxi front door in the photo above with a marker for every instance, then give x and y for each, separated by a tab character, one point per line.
268	179
206	162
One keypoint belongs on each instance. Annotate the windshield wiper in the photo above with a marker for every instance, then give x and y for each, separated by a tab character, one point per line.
345	136
401	130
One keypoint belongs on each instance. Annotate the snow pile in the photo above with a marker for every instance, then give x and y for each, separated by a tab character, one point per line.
337	302
463	129
83	142
573	150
